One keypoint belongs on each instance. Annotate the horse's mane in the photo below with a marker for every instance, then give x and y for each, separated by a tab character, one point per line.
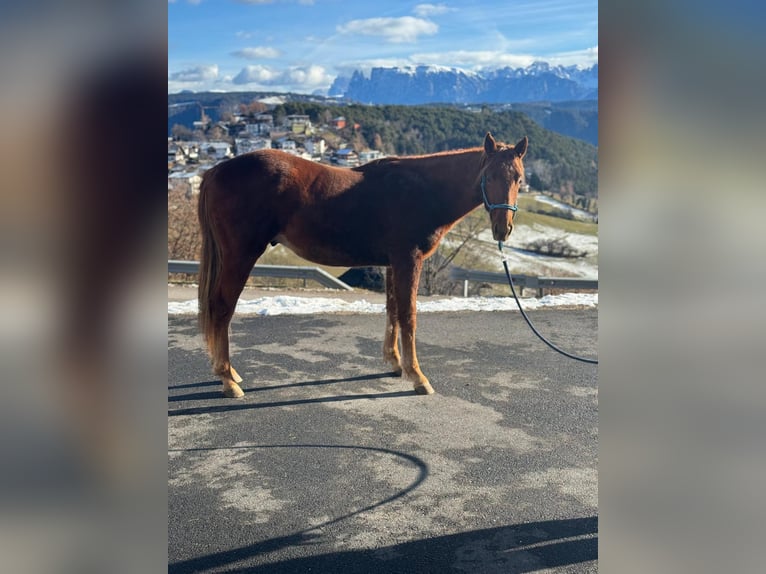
404	159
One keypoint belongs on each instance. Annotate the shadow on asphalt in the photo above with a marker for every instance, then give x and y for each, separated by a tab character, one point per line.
242	404
211	395
514	548
304	537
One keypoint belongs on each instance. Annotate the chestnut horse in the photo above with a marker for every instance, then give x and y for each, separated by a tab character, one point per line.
391	212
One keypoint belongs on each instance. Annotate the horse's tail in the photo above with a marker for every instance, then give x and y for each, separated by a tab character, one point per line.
210	261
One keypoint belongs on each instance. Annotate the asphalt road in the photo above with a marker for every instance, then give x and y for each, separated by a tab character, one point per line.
331	464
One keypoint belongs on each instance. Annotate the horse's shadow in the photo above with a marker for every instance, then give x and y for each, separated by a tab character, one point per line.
225	405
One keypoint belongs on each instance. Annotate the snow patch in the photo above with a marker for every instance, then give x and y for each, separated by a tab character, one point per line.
289	305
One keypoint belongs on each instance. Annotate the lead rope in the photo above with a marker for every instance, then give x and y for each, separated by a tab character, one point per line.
531	326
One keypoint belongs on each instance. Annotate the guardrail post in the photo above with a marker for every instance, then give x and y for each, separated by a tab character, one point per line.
521	282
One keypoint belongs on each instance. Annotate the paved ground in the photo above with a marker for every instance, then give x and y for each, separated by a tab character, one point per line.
329	464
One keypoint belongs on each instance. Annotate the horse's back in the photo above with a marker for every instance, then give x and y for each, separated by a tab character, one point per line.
265	162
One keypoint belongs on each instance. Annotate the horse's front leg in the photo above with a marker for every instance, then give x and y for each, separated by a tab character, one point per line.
391	340
406	275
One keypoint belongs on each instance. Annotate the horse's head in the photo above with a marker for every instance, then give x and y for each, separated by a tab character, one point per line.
501	175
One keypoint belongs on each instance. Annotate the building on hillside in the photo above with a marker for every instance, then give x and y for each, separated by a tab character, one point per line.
246	145
298	124
346	157
218	150
260	124
316	147
190	150
181	153
338	123
285	144
176	155
368	155
201	124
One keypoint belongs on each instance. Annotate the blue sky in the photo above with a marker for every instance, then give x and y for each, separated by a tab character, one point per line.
302	45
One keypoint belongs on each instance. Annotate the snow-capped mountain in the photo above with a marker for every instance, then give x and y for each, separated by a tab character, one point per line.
437	84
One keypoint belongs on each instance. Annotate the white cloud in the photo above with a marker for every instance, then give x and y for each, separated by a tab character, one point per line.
257	53
347	68
308	76
473	59
425	10
395	30
255	75
297	78
490	59
586	57
195	74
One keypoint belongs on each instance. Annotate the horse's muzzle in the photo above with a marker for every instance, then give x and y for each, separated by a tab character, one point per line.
501	231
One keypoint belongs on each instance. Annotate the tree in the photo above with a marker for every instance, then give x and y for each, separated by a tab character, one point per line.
216	133
535	182
184	240
253	108
181	133
434	277
358	142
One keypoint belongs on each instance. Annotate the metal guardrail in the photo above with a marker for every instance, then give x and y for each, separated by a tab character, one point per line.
521	281
281	271
458	274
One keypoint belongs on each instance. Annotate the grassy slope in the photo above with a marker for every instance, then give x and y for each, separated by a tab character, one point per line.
526	217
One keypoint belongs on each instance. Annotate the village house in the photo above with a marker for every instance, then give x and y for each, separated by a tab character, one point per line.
285	144
218	150
368	155
261	124
338	123
346	157
181	153
315	147
298	124
175	155
246	145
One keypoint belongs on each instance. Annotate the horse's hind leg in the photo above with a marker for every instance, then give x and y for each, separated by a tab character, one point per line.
391	341
223	301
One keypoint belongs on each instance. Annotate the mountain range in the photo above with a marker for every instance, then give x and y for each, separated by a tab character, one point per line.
537	82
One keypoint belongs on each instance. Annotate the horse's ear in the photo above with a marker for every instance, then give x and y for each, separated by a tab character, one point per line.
489	144
521	147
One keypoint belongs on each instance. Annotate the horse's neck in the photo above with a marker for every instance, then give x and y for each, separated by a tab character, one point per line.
457	174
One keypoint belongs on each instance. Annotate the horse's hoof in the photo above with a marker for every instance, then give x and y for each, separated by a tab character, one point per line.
396	366
424	389
233	391
235	375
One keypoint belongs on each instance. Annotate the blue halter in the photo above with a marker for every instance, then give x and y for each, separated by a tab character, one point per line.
490	206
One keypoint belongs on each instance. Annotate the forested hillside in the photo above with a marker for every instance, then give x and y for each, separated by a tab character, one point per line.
554	162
